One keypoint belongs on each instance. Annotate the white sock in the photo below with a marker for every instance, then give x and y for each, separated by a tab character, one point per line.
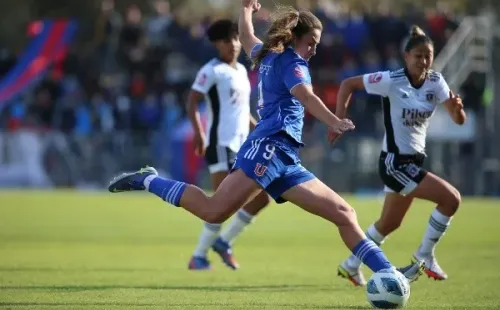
237	225
372	234
208	235
438	224
148	180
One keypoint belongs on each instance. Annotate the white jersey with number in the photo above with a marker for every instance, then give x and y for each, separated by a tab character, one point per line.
407	109
227	92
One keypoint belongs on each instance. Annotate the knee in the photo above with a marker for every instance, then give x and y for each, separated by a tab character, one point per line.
256	205
347	216
453	201
385	226
214	217
266	200
261	201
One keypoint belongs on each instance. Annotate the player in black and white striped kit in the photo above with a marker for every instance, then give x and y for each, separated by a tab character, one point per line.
410	96
223	83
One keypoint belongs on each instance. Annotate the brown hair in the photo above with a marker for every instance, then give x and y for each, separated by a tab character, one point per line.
417	37
287	24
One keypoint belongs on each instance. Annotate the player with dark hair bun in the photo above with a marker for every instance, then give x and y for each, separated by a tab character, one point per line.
410	96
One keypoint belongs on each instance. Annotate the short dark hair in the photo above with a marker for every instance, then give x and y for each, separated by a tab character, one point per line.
417	37
222	30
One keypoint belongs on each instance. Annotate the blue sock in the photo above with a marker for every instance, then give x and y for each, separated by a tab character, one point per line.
371	255
169	190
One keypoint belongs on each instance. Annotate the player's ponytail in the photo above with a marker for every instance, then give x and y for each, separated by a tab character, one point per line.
287	24
416	37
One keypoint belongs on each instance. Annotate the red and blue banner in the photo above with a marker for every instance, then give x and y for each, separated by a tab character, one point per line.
49	43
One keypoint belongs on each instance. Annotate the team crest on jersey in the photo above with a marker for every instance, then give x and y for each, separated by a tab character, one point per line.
298	72
260	169
412	170
429	97
374	78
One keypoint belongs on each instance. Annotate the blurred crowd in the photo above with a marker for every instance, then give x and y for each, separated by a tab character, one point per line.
135	72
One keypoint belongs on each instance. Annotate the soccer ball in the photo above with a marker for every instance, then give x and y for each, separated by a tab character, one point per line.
388	289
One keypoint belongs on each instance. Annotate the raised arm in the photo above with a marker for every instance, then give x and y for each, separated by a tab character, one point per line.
245	25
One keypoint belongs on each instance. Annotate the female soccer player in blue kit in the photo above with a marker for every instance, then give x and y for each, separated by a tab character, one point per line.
269	159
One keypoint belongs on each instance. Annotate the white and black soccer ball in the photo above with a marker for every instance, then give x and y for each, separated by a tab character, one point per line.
388	289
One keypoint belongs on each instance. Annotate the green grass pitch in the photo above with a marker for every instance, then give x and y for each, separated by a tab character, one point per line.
74	250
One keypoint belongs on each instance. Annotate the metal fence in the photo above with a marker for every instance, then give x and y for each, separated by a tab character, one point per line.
54	159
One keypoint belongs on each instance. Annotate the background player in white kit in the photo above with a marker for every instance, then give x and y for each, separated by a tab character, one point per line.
224	84
410	96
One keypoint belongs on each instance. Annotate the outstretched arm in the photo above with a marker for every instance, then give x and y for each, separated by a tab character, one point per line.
347	87
304	93
245	25
373	83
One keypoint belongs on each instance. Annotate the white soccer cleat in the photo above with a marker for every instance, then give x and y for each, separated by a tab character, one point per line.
413	271
355	275
432	268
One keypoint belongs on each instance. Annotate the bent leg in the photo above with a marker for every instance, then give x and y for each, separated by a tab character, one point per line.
448	200
395	208
315	197
244	217
234	191
393	212
435	189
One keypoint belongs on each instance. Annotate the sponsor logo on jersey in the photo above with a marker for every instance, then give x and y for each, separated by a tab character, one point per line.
414	117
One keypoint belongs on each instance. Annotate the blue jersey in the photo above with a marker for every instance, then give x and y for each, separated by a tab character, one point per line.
270	155
278	109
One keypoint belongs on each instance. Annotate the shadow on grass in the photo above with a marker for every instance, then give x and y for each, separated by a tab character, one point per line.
211	288
173	305
258	305
76	269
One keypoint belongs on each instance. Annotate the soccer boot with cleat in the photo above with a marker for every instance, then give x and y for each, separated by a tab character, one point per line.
131	181
355	275
199	263
413	271
225	252
432	268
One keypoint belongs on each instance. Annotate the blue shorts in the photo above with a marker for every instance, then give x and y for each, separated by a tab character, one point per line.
273	162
